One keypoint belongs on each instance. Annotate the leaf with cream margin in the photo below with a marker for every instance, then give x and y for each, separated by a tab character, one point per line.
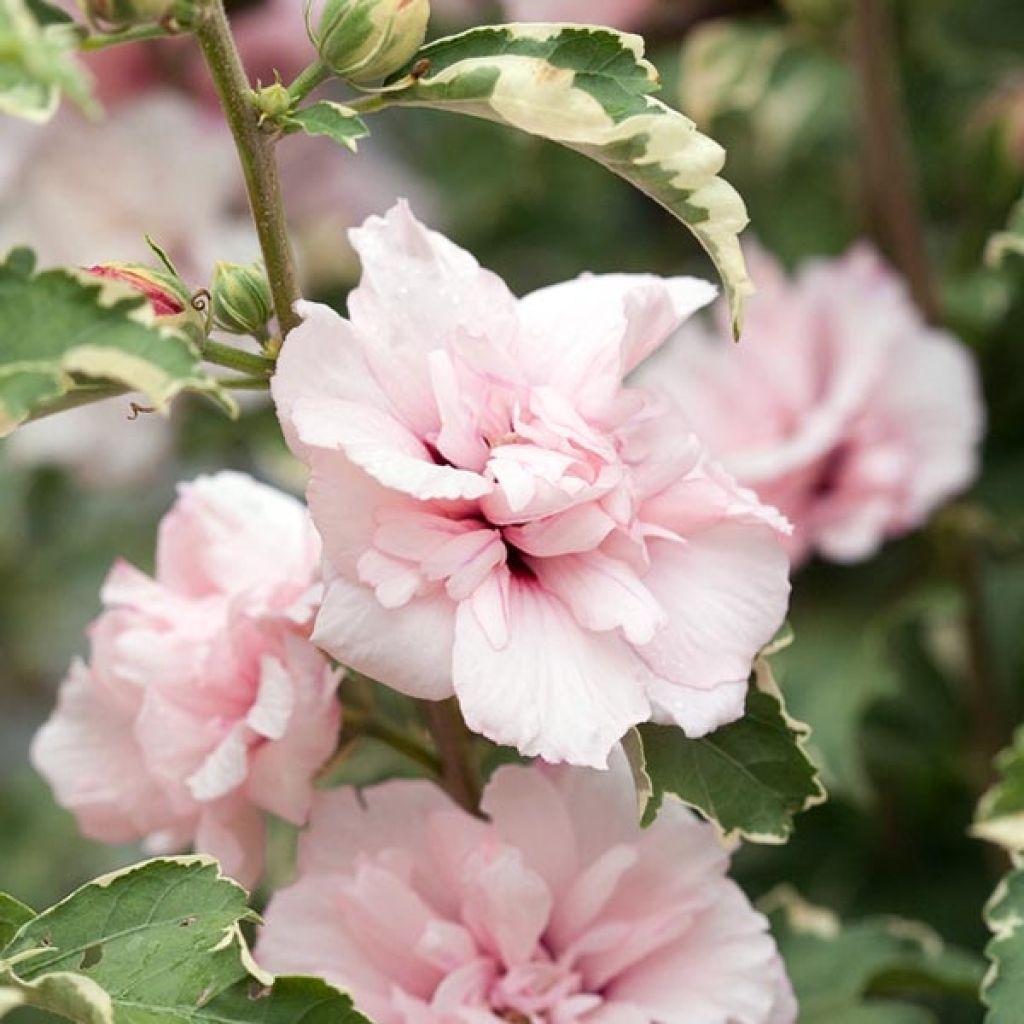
156	943
751	777
37	62
861	972
587	88
1003	988
61	330
337	122
13	914
1000	814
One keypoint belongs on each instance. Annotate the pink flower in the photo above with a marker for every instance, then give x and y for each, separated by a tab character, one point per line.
840	406
203	704
557	910
502	520
621	14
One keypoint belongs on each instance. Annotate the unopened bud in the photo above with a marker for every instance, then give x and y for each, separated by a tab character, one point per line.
272	101
168	296
121	14
241	299
366	40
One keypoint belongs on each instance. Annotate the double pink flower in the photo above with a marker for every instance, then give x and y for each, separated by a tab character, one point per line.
203	704
504	520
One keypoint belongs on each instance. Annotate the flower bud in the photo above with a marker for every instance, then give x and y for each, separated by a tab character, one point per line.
121	14
366	40
168	296
272	101
241	299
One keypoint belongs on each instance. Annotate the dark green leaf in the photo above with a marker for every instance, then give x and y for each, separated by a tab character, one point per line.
751	777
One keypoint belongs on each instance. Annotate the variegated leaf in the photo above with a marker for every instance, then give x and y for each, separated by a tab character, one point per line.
61	331
155	943
1003	989
751	777
587	88
1000	814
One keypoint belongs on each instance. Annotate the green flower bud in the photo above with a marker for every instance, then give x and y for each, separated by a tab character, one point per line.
241	299
366	40
272	101
121	14
167	294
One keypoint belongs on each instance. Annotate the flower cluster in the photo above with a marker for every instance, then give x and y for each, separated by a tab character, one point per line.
504	521
203	703
511	502
557	909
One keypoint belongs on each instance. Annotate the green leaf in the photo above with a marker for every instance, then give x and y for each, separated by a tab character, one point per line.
750	777
340	123
37	61
850	973
13	914
1003	988
588	89
1000	814
156	943
61	331
287	1001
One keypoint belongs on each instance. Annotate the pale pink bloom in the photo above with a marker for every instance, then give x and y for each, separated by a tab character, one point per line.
203	704
502	520
557	910
621	14
840	406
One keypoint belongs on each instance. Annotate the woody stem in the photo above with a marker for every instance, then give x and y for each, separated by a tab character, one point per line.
256	154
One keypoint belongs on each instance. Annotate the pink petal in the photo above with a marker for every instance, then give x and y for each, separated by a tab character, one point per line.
725	592
384	448
555	690
409	647
419	293
582	337
505	904
322	360
529	813
232	831
603	594
305	933
724	969
281	773
88	754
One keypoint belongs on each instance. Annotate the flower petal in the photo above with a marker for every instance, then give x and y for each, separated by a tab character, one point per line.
555	690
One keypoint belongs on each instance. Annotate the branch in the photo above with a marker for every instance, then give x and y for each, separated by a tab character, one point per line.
451	737
255	151
887	164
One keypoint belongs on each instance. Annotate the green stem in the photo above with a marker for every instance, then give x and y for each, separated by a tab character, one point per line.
236	359
244	383
256	153
308	79
368	104
101	40
451	737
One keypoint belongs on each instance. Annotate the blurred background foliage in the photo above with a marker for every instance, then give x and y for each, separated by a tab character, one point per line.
910	667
